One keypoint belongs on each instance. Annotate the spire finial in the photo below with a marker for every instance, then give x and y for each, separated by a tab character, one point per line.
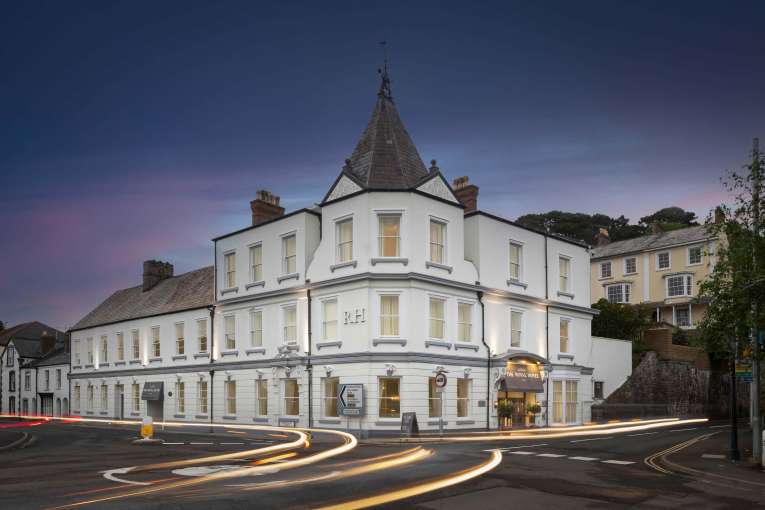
385	83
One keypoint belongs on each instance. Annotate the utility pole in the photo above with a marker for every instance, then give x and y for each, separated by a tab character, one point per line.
755	388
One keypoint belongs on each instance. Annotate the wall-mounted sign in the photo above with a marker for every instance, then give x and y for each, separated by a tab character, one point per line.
355	316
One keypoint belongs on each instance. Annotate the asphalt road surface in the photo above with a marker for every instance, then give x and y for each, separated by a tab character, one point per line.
82	465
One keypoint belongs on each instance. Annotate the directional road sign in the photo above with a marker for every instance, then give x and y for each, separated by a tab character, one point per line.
350	400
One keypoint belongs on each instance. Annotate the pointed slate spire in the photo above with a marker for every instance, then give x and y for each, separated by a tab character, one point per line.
385	156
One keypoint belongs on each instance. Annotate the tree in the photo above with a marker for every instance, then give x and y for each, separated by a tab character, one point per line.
670	218
617	320
581	226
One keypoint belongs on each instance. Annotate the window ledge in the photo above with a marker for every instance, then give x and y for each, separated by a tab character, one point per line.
458	346
155	360
76	367
103	365
202	355
292	347
88	412
179	356
89	365
135	414
229	352
378	341
135	362
659	269
389	260
103	413
394	422
261	283
465	421
565	294
229	417
517	283
255	350
183	416
260	419
340	265
289	419
630	274
436	421
606	278
119	363
437	265
334	343
290	276
437	343
566	356
202	417
330	421
229	290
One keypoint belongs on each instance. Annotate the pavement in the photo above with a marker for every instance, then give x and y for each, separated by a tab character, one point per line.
96	465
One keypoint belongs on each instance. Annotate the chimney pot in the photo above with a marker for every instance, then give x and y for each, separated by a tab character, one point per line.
154	271
466	193
265	207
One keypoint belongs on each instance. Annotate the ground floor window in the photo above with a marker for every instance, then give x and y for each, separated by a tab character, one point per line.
180	397
136	397
90	397
202	397
682	316
390	399
565	401
261	397
331	386
291	397
66	407
77	398
104	397
25	406
229	389
434	399
12	405
463	398
597	389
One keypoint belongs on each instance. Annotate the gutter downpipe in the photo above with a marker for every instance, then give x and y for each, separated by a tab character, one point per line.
547	336
488	359
211	347
309	366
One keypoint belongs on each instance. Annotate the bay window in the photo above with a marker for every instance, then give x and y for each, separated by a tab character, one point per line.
437	241
437	321
389	235
329	320
344	235
389	316
390	399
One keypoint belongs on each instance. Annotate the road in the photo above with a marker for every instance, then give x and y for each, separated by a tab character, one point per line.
96	465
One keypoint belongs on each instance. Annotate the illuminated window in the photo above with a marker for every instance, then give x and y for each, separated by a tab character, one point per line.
516	328
261	397
463	398
256	328
229	331
437	241
437	318
329	321
564	269
180	397
289	317
564	331
434	399
180	338
464	322
155	345
289	255
136	397
572	403
390	400
389	316
202	397
120	347
104	349
136	344
516	260
389	235
291	397
331	387
557	402
229	388
344	233
256	263
202	335
229	264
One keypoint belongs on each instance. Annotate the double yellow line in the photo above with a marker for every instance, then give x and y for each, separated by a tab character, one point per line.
652	461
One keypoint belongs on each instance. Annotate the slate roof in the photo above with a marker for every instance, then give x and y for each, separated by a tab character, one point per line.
56	357
31	330
653	242
385	156
27	347
183	292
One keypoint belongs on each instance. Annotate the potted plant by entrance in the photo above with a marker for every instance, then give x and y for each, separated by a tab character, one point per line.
504	413
533	409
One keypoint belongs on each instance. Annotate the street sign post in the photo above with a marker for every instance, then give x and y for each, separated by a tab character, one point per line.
440	385
350	400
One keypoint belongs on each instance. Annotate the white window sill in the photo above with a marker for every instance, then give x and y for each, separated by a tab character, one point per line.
517	283
465	421
569	357
155	360
261	283
89	365
119	363
181	416
438	265
340	265
177	357
229	417
290	276
389	260
230	352
466	346
260	419
388	341
388	422
329	343
565	294
202	417
659	269
255	350
602	278
434	420
135	361
201	355
289	419
438	343
229	290
630	274
330	421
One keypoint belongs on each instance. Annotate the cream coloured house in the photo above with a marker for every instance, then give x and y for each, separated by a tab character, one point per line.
663	270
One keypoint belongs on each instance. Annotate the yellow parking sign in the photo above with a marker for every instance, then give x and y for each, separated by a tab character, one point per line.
147	427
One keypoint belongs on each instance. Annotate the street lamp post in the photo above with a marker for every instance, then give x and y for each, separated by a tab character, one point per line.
734	455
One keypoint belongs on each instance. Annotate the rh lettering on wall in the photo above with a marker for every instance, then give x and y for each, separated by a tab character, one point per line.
356	316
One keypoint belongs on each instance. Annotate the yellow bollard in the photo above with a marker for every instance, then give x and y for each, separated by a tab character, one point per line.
147	427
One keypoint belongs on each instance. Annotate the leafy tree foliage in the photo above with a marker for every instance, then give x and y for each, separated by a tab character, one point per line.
617	320
670	218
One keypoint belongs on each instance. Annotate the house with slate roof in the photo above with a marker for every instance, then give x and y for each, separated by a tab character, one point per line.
394	277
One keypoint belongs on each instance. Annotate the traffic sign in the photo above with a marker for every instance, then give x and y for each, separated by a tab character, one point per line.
440	382
350	400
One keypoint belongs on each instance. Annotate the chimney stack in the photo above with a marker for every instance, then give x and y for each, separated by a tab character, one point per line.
466	193
265	207
602	238
154	271
656	228
47	343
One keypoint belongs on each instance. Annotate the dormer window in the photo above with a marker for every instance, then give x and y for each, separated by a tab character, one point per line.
289	254
344	233
389	235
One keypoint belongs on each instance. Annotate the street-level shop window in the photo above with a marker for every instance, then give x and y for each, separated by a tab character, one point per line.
261	397
331	387
202	397
463	398
390	397
291	397
229	388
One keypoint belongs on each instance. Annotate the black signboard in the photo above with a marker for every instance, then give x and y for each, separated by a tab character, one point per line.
409	424
153	391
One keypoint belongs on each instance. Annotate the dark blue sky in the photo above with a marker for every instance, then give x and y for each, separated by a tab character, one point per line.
140	130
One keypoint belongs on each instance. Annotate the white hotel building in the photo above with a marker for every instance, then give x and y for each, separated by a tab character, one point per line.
392	278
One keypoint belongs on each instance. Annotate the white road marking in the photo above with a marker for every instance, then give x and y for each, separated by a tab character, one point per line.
109	475
617	462
200	443
642	434
683	430
551	455
507	449
590	439
170	444
521	453
586	459
232	443
718	426
712	456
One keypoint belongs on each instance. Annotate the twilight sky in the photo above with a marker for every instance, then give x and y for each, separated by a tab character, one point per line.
136	130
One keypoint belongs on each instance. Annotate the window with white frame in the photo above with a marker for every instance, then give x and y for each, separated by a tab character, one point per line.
437	320
104	349
605	269
261	397
156	347
389	316
390	397
229	394
58	378
630	265
464	322
202	397
291	397
437	241
565	401
47	379
256	328
89	343
344	236
229	265
289	328
136	340
434	399
389	235
572	401
104	397
331	386
564	272
27	380
463	398
329	319
683	316
618	293
597	389
229	332
91	397
565	325
289	254
136	394
679	285
120	346
516	328
256	263
180	397
75	350
77	397
663	260
180	338
516	261
202	335
694	255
